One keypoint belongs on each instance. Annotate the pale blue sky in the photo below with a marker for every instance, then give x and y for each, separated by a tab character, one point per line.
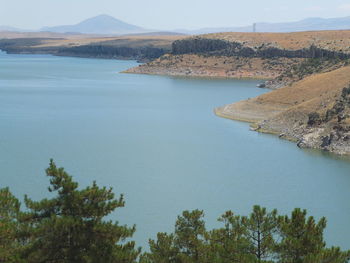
167	14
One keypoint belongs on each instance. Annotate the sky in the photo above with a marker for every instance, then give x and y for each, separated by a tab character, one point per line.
167	14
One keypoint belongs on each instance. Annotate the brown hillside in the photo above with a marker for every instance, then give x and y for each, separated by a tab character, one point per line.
286	111
338	40
216	66
49	39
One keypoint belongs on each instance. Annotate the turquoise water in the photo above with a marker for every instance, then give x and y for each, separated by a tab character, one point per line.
156	140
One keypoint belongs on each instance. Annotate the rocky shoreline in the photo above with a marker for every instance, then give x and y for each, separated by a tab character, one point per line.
198	72
314	113
191	65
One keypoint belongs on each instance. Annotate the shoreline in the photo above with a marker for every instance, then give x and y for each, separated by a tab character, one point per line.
268	71
288	112
275	116
254	125
194	76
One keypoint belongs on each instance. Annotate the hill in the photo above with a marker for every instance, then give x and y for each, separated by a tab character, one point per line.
9	29
314	111
335	40
108	25
308	24
280	57
310	69
102	24
137	47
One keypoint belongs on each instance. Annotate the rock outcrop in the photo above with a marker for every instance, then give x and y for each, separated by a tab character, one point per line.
314	112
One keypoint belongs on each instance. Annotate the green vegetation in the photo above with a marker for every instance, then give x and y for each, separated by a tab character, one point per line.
315	65
107	51
314	119
198	45
66	228
10	244
339	111
261	237
70	227
220	47
142	50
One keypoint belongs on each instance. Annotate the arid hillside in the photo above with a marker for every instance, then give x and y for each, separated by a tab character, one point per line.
140	47
282	58
315	111
216	66
331	40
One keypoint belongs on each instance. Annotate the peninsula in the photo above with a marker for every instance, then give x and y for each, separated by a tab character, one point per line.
308	70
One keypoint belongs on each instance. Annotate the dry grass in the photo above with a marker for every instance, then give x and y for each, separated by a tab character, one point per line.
217	66
126	40
292	104
49	39
333	40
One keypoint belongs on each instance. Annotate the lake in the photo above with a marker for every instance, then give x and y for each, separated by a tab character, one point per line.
157	140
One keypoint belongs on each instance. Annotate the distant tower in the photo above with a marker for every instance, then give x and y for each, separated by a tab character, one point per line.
254	27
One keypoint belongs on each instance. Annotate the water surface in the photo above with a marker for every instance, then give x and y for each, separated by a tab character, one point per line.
156	140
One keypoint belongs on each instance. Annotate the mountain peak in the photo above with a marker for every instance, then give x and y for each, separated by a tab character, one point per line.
101	24
102	17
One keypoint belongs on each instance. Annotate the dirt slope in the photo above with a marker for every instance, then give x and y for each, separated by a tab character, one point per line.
338	40
308	111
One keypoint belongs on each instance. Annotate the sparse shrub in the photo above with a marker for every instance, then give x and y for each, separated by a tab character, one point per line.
314	118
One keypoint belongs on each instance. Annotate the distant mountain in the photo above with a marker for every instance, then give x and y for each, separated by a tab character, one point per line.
10	28
102	24
309	24
108	25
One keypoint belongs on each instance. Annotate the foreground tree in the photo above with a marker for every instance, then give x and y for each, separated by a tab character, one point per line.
229	244
261	237
261	229
10	243
329	255
190	237
70	226
162	250
186	245
302	237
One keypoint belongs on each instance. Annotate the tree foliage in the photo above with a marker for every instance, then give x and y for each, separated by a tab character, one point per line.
70	227
302	237
10	244
230	243
261	229
262	236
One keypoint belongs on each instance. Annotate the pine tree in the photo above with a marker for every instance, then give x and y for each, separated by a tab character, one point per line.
261	227
329	255
302	237
70	227
229	243
190	234
163	250
10	243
